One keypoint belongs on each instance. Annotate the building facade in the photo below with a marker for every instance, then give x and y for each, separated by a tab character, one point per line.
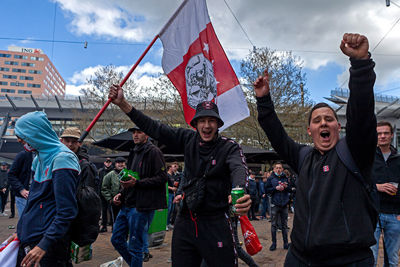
28	71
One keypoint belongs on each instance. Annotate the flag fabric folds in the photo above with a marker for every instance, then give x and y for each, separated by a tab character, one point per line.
196	64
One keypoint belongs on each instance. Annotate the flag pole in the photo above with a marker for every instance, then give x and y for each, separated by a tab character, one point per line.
86	132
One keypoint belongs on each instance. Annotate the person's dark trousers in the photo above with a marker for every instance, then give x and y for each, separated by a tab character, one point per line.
209	238
3	200
253	210
58	255
12	203
104	211
174	213
171	206
265	208
292	261
114	212
282	213
243	255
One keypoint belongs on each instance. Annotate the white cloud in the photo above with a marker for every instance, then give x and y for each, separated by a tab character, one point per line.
73	89
312	29
143	76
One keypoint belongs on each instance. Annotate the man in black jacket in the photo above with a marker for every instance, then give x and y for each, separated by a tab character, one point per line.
213	165
3	187
334	221
279	189
19	178
88	175
139	198
105	206
254	193
386	175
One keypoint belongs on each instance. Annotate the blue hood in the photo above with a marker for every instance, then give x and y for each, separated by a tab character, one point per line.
35	129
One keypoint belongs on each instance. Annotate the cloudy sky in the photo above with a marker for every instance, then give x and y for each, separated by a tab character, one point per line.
118	31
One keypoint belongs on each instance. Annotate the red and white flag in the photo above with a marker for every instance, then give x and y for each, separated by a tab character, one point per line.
196	64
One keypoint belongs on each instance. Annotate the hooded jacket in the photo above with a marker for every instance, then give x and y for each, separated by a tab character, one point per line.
334	222
51	205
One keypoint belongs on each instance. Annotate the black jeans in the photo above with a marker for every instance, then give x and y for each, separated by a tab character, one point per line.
104	211
243	255
12	202
58	255
292	261
253	208
209	238
282	213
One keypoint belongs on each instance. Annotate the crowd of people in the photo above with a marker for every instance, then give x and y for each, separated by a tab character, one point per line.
343	191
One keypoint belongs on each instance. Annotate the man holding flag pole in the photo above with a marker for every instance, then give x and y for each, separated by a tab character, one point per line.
197	65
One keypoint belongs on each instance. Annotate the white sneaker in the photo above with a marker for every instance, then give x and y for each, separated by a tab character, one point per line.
4	214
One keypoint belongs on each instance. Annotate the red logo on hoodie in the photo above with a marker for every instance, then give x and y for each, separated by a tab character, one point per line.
47	170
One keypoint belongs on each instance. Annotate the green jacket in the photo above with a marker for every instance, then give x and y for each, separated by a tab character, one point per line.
110	186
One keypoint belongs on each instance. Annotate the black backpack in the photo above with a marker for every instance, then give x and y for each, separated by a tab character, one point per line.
85	227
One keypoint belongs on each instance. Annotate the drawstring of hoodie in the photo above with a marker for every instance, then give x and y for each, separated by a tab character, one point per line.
194	220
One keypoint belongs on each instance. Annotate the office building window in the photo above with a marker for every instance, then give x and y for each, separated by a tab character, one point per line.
27	64
20	57
37	58
9	76
17	84
12	91
28	78
3	83
26	92
35	71
4	69
15	63
5	55
19	70
34	85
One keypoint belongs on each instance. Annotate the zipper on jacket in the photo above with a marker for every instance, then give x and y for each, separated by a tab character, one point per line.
309	206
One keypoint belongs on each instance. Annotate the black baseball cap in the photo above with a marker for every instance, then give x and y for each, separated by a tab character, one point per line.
206	109
135	128
120	159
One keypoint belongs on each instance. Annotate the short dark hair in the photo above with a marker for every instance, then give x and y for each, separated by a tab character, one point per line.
321	105
277	163
385	123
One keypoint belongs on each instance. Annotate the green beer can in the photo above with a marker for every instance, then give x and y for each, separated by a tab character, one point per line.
236	193
124	175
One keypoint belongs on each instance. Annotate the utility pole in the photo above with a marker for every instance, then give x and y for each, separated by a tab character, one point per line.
387	2
302	94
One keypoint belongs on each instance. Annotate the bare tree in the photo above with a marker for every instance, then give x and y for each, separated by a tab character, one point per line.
95	96
288	92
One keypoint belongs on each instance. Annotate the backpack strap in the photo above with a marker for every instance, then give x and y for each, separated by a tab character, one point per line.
345	156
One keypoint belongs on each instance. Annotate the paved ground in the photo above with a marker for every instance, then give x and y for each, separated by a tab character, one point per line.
103	250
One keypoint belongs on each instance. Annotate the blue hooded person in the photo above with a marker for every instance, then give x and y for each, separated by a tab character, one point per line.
43	228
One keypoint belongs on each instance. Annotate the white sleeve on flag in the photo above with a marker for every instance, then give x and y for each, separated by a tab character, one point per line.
232	106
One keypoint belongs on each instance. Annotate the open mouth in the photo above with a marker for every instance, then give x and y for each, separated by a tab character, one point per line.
325	135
